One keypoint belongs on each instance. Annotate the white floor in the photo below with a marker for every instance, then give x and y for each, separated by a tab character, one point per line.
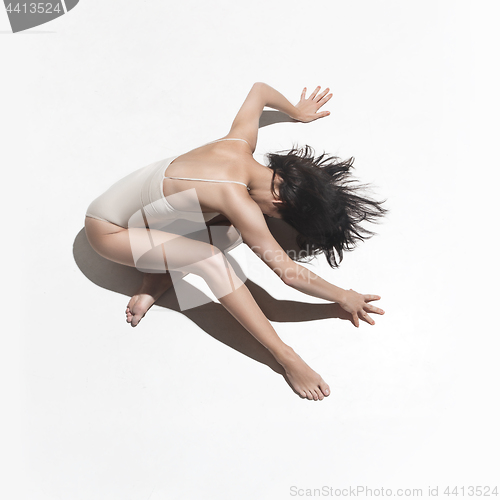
188	405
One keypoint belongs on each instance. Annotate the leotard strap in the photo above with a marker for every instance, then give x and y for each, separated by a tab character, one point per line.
229	139
205	180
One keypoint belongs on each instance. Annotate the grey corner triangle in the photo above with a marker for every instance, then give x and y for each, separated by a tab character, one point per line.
70	4
26	15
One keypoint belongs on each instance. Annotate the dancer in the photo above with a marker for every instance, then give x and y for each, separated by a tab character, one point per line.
221	183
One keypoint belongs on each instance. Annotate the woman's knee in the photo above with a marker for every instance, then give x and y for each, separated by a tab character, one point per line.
218	274
111	246
212	267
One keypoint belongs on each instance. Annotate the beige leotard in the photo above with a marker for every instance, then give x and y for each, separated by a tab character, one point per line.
140	196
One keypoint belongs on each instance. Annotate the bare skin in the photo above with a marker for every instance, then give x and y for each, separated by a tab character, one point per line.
154	285
306	382
245	210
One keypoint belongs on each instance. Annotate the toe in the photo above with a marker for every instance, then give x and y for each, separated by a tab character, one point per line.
309	395
325	389
131	302
320	394
314	395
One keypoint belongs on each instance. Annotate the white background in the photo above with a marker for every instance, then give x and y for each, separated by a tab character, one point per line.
93	409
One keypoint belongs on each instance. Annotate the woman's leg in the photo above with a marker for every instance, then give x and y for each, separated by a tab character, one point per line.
184	255
153	286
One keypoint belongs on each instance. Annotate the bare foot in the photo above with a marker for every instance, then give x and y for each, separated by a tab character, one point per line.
153	286
306	382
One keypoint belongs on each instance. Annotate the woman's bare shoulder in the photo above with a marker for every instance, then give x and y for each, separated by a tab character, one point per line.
245	214
218	153
239	207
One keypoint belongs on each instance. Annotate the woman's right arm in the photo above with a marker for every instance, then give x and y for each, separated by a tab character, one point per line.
246	124
247	217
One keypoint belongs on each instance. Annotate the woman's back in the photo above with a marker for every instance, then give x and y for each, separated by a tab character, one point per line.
208	169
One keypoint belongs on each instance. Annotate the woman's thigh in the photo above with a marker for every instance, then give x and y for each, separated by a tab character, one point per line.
149	250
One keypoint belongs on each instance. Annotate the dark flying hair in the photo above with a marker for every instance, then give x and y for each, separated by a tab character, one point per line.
322	202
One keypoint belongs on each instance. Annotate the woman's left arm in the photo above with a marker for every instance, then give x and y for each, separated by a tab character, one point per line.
246	215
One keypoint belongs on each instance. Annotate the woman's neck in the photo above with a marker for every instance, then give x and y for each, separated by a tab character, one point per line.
261	178
260	181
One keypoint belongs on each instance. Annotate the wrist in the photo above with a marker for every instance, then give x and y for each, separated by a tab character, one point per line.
296	116
339	296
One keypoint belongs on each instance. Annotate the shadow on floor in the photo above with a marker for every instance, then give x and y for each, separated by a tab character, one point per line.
269	117
210	317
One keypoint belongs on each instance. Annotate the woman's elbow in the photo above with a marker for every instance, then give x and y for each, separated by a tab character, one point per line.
259	87
289	277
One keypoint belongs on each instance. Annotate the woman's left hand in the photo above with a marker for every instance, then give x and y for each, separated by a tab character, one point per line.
358	306
307	109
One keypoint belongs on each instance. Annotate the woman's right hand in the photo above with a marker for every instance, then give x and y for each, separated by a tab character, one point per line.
307	108
358	305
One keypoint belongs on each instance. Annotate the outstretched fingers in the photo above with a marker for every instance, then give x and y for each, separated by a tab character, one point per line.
363	314
308	107
358	305
323	98
315	92
355	320
373	309
366	317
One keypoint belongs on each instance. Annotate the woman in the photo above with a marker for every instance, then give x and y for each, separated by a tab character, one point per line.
221	182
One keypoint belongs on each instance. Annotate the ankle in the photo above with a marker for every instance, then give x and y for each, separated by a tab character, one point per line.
285	355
